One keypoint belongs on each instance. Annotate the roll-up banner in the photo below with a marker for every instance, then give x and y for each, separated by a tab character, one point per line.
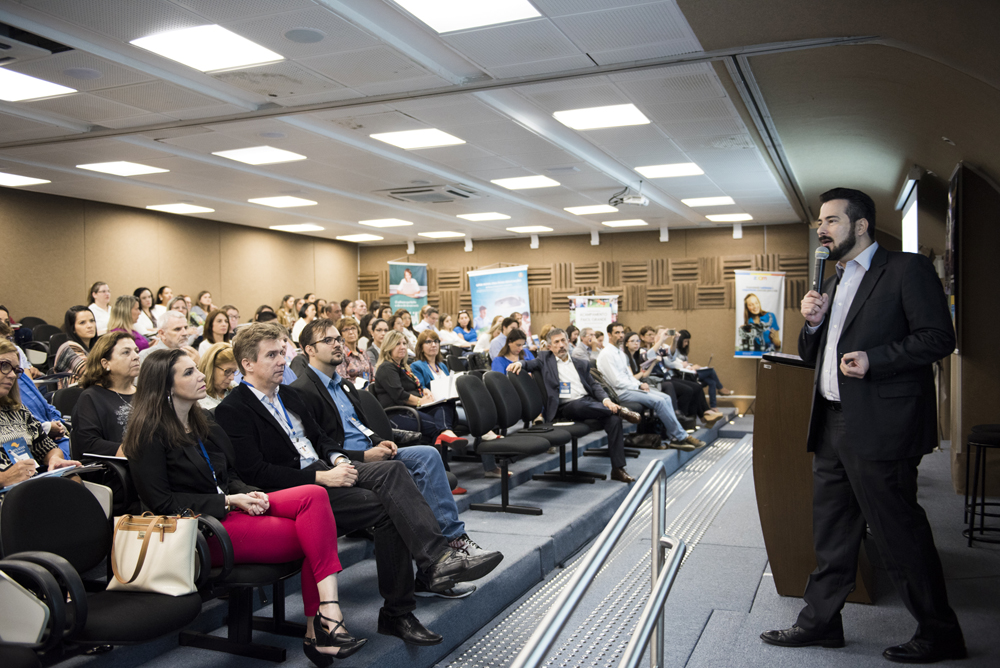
594	311
760	309
408	287
499	292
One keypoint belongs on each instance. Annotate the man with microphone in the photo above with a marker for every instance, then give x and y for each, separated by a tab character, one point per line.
874	333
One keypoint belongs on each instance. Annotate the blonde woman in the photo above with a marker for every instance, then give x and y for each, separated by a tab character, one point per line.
483	344
287	313
124	316
219	366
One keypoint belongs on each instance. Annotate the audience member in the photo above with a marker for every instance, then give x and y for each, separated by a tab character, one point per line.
573	337
333	312
259	313
407	322
705	375
428	321
298	305
146	324
219	367
347	307
233	314
375	308
163	297
81	330
287	313
449	333
598	344
360	309
26	445
99	303
573	395
429	363
465	329
483	342
690	396
544	343
513	351
584	349
356	364
366	332
187	301
124	315
201	308
217	330
614	365
102	411
267	423
180	304
506	327
172	334
309	297
379	329
306	315
386	312
170	445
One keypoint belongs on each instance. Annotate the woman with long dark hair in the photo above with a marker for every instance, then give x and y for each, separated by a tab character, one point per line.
146	324
81	331
217	330
513	351
101	413
705	375
180	460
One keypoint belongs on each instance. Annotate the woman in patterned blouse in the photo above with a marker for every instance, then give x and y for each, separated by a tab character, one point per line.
356	364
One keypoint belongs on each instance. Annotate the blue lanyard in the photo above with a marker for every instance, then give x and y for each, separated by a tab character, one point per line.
288	418
204	453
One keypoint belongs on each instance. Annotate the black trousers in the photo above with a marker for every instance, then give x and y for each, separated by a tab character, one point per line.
847	492
385	498
588	408
690	396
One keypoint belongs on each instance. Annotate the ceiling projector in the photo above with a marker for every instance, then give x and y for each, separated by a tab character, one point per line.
636	200
625	196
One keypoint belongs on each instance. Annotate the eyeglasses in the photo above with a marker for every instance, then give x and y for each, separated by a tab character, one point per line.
7	367
330	340
228	373
432	342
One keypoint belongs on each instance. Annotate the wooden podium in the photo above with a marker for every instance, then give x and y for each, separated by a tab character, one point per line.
782	473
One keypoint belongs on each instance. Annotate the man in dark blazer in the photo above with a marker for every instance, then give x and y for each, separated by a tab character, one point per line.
573	394
874	416
278	444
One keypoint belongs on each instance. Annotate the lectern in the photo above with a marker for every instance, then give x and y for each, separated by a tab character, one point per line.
782	473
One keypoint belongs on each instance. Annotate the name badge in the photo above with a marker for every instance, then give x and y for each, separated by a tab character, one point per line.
361	427
304	448
17	449
564	388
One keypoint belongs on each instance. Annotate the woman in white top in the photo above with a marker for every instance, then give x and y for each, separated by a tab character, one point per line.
404	317
448	335
408	286
146	324
306	315
99	302
216	330
163	297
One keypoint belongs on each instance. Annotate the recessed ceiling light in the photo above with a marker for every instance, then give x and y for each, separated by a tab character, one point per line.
207	48
451	15
122	168
441	235
481	217
385	222
525	182
300	227
357	238
283	202
730	217
15	181
634	222
529	229
260	155
411	139
666	171
614	116
180	207
17	87
708	201
587	210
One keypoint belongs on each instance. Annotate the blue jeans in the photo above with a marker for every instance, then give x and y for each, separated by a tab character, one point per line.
425	465
661	405
710	378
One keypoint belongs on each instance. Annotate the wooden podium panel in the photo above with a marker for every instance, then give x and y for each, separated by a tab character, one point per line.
782	472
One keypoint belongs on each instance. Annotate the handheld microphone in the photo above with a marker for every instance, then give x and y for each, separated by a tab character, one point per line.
821	254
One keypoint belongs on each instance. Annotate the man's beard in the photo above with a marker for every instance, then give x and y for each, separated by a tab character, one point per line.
838	251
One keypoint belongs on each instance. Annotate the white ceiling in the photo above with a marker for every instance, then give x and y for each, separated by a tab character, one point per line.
373	48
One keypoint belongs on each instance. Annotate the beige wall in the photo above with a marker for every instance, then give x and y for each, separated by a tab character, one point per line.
711	328
56	247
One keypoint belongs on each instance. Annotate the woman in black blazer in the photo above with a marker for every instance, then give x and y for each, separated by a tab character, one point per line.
182	461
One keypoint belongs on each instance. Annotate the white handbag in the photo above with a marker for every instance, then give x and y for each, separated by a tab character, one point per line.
159	550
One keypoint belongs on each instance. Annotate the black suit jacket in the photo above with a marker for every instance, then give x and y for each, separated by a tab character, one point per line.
171	480
900	318
546	361
265	456
317	397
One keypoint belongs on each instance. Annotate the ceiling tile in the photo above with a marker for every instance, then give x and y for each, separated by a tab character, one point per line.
626	27
234	10
673	89
601	95
365	67
368	124
51	68
721	126
84	106
122	19
647	52
457	112
408	84
702	110
563	7
733	142
277	80
578	62
270	32
157	96
522	42
15	128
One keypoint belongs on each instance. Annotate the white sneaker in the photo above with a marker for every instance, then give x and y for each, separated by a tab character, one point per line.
467	545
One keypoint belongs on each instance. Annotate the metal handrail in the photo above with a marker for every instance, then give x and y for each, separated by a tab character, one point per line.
649	630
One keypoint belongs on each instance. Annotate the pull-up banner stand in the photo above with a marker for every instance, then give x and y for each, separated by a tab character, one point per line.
760	309
499	292
408	287
594	311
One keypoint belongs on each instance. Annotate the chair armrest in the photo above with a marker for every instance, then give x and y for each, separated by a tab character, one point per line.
68	580
405	409
212	528
44	586
118	471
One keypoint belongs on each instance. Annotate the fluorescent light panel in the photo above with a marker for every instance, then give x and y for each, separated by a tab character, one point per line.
411	139
708	201
525	182
634	222
385	222
260	155
614	116
441	235
587	210
357	238
481	217
668	171
730	217
300	227
180	207
282	202
17	87
122	168
451	15
207	48
15	181
529	229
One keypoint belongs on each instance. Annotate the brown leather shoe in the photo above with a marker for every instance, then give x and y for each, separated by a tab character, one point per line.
630	415
621	475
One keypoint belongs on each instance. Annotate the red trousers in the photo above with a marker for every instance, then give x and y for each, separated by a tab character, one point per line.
298	525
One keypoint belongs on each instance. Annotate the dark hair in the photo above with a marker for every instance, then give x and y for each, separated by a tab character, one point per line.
400	313
69	325
430	311
305	308
425	336
507	322
683	341
345	302
633	359
159	294
571	329
859	205
209	331
611	326
365	321
307	295
93	288
264	308
646	329
374	306
312	331
515	335
197	302
153	414
265	316
94	373
458	317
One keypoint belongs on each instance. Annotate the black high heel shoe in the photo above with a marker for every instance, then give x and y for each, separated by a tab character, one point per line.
347	643
317	657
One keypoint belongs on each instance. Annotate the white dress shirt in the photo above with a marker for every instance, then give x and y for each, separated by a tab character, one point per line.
292	425
851	276
614	366
571	387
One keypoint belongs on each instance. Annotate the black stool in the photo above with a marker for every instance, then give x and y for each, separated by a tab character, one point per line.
981	440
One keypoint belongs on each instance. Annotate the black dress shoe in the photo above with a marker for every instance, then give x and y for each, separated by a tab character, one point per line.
407	627
621	475
796	637
630	415
925	651
457	566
